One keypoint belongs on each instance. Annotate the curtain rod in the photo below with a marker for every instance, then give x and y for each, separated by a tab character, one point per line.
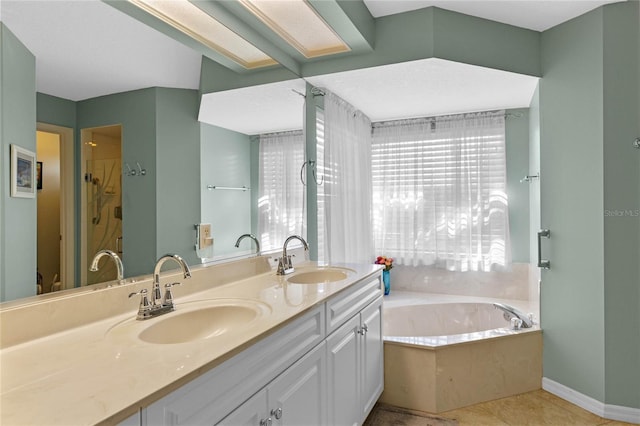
447	117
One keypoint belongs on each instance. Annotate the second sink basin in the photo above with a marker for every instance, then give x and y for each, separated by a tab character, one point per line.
323	275
194	321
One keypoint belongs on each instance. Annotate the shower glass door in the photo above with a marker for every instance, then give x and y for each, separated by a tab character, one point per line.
102	211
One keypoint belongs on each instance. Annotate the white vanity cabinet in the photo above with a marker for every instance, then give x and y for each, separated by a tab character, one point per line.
296	376
211	397
296	398
355	366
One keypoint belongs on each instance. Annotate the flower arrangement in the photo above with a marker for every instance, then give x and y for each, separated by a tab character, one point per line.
386	261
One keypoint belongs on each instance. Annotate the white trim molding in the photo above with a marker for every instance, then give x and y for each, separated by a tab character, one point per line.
607	411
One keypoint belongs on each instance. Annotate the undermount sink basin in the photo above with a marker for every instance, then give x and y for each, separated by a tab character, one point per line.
194	321
324	275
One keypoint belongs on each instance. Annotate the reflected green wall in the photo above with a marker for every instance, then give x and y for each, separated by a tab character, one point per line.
54	110
161	132
177	147
136	112
17	126
517	147
225	158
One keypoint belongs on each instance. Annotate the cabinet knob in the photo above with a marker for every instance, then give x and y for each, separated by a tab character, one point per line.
265	422
277	413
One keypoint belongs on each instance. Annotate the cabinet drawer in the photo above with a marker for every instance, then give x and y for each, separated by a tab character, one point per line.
349	302
210	397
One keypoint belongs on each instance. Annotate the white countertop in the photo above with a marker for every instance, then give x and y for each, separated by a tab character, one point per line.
89	375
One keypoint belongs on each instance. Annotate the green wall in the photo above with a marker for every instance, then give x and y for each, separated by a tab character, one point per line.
621	196
572	293
17	126
438	33
589	118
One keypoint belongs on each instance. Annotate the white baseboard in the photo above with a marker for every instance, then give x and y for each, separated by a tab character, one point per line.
608	411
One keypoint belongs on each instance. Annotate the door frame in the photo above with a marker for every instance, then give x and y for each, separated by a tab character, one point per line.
67	202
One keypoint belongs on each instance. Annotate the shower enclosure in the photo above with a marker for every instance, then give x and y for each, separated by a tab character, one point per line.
101	200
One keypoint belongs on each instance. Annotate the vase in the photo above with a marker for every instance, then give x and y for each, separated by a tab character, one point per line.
386	279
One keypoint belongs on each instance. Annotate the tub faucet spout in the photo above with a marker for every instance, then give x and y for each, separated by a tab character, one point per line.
511	312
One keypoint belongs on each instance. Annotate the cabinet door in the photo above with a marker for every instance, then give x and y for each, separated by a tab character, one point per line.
372	362
343	359
134	420
298	397
251	413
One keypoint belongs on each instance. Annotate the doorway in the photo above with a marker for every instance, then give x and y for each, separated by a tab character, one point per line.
101	200
56	207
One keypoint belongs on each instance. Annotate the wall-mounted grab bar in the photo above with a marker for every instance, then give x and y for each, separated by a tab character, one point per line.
229	188
544	264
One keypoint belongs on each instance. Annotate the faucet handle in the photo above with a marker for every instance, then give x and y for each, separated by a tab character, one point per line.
145	305
168	296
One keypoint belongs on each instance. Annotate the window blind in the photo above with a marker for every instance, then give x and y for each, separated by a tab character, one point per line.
439	191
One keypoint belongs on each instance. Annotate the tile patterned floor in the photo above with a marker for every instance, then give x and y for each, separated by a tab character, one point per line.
535	408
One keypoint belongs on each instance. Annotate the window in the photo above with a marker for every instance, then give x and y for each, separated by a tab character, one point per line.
439	192
281	204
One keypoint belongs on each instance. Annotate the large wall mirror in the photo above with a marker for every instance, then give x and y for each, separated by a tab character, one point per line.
86	105
188	144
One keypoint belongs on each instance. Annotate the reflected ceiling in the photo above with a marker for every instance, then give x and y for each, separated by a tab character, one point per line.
427	88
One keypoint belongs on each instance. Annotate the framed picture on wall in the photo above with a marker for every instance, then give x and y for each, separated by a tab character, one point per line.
23	172
39	174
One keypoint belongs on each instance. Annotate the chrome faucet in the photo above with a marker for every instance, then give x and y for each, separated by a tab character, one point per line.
243	236
112	255
151	306
284	263
524	321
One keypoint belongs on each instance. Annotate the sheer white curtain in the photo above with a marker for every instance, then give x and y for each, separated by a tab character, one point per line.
344	205
439	192
281	203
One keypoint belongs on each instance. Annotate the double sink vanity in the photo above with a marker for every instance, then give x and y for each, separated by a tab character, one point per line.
243	346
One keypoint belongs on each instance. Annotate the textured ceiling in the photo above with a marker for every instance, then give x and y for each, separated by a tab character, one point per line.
538	15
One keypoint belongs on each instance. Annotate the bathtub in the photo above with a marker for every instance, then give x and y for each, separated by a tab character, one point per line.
457	352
